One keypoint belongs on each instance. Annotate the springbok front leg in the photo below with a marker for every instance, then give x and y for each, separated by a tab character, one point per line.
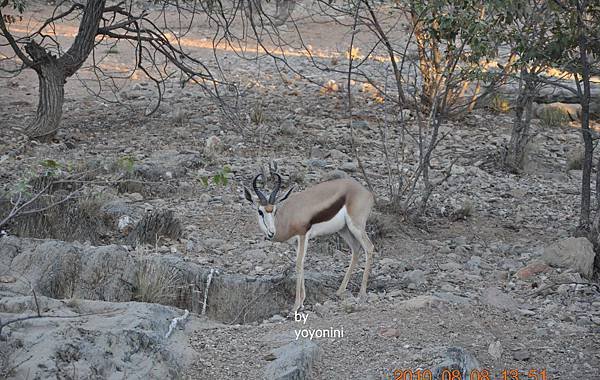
300	290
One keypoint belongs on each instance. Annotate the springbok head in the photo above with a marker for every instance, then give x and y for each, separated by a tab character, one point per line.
266	208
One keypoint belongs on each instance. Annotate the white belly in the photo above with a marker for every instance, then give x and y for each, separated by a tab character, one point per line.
331	226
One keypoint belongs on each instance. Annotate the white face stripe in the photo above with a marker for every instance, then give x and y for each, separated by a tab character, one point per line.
266	221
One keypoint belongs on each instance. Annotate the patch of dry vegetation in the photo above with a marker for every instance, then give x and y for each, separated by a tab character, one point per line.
156	283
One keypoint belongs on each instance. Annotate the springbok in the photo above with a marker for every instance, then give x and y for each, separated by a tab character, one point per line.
341	205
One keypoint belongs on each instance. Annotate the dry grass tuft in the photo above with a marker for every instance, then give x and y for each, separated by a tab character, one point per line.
554	117
156	283
575	159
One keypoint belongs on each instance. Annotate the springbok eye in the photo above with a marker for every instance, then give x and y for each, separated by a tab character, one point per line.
260	213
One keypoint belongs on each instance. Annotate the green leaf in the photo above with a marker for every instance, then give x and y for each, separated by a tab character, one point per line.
50	164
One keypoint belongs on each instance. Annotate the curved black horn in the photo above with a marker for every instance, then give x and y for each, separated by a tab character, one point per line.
261	196
273	196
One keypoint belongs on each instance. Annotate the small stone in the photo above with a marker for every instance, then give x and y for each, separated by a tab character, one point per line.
496	298
360	124
389	332
533	268
416	277
420	302
316	163
189	246
445	249
338	155
450	266
204	198
473	264
495	350
317	152
6	279
125	224
527	312
521	355
349	167
277	319
136	197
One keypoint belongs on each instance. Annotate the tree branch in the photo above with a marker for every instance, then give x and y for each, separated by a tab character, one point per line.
13	43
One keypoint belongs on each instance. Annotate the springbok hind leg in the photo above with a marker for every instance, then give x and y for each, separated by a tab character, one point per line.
369	248
355	249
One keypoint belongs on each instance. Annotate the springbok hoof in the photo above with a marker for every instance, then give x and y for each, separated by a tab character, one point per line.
296	310
363	297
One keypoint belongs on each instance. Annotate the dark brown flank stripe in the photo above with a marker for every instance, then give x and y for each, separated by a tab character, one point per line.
329	212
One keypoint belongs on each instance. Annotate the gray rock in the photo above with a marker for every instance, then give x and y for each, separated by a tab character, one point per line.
473	264
521	355
495	350
338	155
318	153
360	124
420	302
456	358
416	277
294	361
317	163
62	270
349	167
496	298
450	266
574	253
113	339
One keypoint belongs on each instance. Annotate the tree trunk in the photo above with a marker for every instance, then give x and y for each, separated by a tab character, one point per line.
584	99
51	80
52	71
519	138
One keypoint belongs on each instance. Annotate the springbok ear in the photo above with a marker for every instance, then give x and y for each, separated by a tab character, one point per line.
286	195
248	195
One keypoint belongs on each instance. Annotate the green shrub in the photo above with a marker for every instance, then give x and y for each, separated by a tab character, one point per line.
499	104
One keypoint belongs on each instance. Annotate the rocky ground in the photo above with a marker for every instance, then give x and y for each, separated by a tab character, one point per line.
480	270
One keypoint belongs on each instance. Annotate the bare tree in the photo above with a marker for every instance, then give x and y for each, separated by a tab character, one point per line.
156	47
